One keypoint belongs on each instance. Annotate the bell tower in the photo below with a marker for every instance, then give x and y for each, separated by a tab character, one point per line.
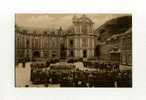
74	19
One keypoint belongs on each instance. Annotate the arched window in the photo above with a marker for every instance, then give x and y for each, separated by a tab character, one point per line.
71	43
36	43
27	44
71	53
84	53
17	43
62	50
33	41
53	42
36	54
97	51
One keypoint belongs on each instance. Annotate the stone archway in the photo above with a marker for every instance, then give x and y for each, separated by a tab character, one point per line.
84	53
62	51
97	51
36	54
115	57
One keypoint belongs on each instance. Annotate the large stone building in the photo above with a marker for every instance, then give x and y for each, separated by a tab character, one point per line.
38	46
111	42
117	48
81	40
115	41
126	48
77	42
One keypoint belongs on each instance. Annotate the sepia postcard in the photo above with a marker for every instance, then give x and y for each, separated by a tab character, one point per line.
73	50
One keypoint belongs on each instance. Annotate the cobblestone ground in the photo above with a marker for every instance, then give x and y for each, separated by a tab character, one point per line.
23	77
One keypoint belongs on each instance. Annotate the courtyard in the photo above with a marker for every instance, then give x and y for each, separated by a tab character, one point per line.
24	74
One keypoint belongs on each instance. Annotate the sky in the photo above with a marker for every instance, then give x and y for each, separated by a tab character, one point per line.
54	21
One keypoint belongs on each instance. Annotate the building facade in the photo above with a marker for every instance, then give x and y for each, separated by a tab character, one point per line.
78	42
126	48
117	49
81	39
38	46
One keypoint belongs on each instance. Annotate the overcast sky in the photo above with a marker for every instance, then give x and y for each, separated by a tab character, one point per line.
57	20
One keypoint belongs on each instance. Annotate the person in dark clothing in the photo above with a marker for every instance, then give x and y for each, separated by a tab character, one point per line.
23	64
124	81
47	64
108	80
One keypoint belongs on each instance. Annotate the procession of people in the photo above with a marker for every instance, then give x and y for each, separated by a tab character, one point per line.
105	75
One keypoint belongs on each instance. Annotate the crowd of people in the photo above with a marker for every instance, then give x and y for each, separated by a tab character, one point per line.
105	75
102	66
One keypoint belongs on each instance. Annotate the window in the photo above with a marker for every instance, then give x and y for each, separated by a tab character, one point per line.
62	50
91	43
71	43
36	43
53	55
78	29
33	43
115	57
84	29
18	43
36	54
71	53
27	43
85	53
84	42
53	44
78	43
53	41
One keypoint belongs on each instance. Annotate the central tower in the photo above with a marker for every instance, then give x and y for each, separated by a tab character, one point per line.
80	41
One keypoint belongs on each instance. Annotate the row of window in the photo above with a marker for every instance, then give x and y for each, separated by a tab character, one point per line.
35	43
72	53
126	59
84	43
84	29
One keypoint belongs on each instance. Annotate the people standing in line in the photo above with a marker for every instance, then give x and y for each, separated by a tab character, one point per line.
108	75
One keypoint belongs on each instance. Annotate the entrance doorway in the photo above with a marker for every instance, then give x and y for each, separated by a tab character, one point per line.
62	51
84	53
97	51
36	54
115	57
